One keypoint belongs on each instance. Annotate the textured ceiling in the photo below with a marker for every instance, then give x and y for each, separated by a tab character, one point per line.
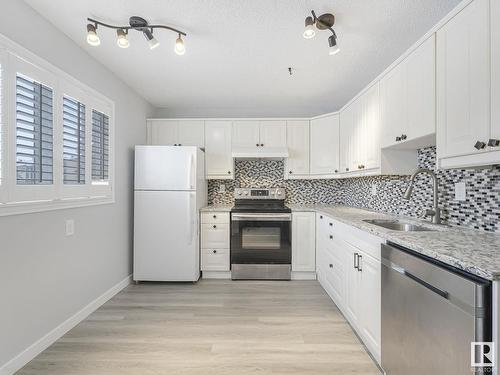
239	51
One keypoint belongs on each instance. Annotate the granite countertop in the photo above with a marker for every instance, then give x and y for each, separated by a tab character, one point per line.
217	207
470	250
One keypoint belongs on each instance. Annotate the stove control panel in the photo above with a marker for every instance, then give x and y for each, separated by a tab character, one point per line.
257	193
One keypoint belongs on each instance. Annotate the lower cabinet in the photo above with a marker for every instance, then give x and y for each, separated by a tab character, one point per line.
303	244
215	243
348	268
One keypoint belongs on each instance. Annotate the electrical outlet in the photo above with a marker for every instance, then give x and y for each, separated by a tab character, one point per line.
374	189
70	227
222	188
460	191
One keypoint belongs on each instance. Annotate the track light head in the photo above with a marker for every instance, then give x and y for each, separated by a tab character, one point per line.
122	39
179	49
334	48
92	37
153	43
309	31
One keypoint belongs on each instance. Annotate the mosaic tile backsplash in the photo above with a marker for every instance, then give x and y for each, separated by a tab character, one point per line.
480	210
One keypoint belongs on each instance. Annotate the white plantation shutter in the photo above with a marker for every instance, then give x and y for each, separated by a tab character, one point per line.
100	147
34	132
73	142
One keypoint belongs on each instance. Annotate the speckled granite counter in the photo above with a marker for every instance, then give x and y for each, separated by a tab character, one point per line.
470	250
217	208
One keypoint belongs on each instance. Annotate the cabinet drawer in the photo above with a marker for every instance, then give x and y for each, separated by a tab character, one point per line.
215	260
215	236
215	217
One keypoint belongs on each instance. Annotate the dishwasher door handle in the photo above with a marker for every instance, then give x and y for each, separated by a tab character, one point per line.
425	284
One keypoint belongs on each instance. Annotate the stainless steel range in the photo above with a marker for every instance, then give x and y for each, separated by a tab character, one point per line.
261	233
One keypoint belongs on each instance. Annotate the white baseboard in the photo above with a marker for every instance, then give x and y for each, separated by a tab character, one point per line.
39	346
300	275
223	275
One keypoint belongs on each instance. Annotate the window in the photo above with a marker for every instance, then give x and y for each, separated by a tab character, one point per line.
100	147
73	142
34	128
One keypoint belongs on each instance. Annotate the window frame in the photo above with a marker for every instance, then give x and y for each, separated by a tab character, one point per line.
19	199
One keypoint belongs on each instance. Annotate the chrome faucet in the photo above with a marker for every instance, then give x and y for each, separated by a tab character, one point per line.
435	213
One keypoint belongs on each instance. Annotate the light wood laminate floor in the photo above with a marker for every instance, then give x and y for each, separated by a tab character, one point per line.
214	327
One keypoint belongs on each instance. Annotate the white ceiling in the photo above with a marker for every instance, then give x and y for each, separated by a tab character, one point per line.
239	51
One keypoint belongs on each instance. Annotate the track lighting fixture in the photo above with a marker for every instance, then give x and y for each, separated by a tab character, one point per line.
122	39
138	24
92	37
323	22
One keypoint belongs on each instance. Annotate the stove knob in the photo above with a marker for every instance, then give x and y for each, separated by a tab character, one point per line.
246	192
279	192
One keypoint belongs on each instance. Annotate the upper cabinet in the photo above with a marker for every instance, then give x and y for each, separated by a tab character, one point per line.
407	99
495	70
176	132
466	127
324	146
297	163
218	158
251	133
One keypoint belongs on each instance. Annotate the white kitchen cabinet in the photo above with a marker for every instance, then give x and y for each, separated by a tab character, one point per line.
176	132
218	158
297	134
251	134
215	260
324	146
463	82
215	244
303	242
407	100
495	69
214	236
346	134
246	134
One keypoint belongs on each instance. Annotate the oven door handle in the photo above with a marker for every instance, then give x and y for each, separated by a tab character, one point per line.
261	217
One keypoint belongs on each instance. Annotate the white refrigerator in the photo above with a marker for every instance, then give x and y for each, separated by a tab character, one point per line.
169	190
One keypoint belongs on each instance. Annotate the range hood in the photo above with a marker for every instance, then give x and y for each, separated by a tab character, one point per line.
260	152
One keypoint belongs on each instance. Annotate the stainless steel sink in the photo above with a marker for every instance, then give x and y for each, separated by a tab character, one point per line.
398	225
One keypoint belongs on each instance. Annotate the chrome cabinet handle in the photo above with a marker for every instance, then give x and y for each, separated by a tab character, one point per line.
494	142
479	145
360	257
356	264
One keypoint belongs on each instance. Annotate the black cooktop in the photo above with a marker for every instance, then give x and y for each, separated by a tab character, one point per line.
265	206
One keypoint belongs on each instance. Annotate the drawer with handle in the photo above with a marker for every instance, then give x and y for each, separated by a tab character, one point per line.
215	260
215	217
215	236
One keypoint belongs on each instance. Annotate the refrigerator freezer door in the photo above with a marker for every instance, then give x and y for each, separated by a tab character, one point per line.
165	168
166	236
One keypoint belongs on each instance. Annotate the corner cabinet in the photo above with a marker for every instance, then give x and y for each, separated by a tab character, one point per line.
324	146
176	132
218	158
467	87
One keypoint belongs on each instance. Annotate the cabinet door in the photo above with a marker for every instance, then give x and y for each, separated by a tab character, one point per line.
356	146
215	236
421	91
218	156
324	151
369	302
215	260
463	81
346	126
303	242
352	299
246	134
273	133
371	129
392	105
297	135
191	133
163	132
495	70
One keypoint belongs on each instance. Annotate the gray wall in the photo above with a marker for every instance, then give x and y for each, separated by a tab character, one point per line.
46	277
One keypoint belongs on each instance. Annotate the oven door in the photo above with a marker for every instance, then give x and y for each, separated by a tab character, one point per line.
261	238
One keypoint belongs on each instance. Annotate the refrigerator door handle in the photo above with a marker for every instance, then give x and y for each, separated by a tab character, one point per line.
192	172
191	218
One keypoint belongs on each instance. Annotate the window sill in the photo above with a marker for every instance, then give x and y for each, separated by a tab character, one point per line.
17	208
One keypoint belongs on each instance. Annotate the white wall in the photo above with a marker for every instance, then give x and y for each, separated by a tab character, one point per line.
46	277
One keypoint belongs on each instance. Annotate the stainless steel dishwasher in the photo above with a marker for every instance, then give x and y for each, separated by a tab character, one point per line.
430	315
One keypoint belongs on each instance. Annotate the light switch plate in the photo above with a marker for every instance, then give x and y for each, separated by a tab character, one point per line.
460	191
374	189
70	227
222	188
